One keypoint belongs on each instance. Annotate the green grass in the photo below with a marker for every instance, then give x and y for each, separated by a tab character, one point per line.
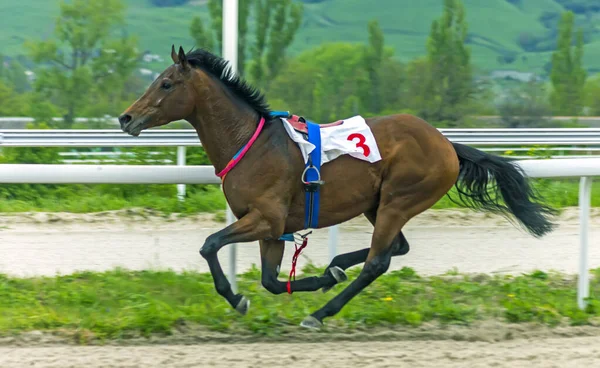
557	193
100	198
163	198
494	26
121	304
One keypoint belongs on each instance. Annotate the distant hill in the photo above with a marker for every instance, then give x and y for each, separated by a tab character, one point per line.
504	34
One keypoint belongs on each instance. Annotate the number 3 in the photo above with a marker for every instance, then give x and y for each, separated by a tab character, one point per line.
361	143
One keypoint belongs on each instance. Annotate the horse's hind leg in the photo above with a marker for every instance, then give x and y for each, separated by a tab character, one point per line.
346	260
390	220
271	252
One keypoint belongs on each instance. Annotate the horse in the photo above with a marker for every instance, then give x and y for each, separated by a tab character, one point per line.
263	187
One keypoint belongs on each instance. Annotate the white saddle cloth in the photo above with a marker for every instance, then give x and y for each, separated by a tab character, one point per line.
353	137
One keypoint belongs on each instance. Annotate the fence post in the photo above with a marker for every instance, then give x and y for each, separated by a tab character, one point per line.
181	162
229	46
232	255
333	238
583	287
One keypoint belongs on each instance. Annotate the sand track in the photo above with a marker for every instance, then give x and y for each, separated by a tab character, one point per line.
547	353
44	244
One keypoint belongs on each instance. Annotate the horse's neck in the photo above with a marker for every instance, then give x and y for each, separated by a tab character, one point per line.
223	128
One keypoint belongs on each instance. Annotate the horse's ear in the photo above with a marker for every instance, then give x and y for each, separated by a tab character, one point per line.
182	58
174	55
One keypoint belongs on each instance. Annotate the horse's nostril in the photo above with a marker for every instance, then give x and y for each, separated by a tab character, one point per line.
124	119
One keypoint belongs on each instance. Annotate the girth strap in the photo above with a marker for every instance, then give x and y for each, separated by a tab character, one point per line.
312	177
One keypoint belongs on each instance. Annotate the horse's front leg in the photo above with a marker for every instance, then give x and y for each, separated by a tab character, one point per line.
271	254
251	227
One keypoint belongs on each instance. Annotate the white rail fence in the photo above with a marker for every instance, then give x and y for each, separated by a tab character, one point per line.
568	143
584	168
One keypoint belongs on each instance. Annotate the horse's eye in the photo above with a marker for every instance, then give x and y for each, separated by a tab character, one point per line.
165	85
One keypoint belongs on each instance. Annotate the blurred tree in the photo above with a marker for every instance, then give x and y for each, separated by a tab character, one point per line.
210	37
167	3
526	106
592	95
374	62
333	81
277	22
450	83
84	60
567	74
13	74
12	103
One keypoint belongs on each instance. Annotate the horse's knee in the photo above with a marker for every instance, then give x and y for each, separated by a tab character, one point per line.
405	248
209	248
401	246
402	249
336	261
270	282
377	266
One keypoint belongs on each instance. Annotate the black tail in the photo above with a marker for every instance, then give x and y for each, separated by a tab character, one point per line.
478	168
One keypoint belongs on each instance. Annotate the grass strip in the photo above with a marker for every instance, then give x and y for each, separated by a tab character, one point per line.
118	304
163	198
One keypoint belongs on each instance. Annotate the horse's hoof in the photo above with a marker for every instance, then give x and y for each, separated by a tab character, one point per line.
243	306
311	323
338	274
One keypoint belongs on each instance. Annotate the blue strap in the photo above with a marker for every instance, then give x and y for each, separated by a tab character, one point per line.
280	114
287	237
313	174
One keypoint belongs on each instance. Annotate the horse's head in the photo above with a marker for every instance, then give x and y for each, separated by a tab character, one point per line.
169	98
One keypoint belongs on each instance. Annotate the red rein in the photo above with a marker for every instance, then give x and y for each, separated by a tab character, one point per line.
294	260
238	156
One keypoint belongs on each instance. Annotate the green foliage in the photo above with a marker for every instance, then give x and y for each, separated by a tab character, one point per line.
86	71
344	21
592	95
167	3
374	57
450	83
568	75
202	37
84	59
557	193
580	6
276	24
13	74
526	106
106	197
330	75
11	103
121	304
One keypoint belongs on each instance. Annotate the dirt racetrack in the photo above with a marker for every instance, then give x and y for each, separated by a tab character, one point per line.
43	244
554	352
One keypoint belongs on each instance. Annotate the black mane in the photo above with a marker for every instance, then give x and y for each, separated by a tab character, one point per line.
219	68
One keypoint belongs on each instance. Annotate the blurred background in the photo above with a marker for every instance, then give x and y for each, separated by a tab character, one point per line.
459	64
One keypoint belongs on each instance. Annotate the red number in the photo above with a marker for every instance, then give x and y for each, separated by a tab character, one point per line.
361	143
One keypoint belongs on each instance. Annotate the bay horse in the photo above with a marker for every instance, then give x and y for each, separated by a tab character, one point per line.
264	190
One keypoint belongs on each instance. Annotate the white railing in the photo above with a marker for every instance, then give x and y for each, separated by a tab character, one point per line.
585	168
149	174
562	140
189	137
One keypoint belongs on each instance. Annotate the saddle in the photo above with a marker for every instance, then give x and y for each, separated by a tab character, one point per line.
299	123
311	177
